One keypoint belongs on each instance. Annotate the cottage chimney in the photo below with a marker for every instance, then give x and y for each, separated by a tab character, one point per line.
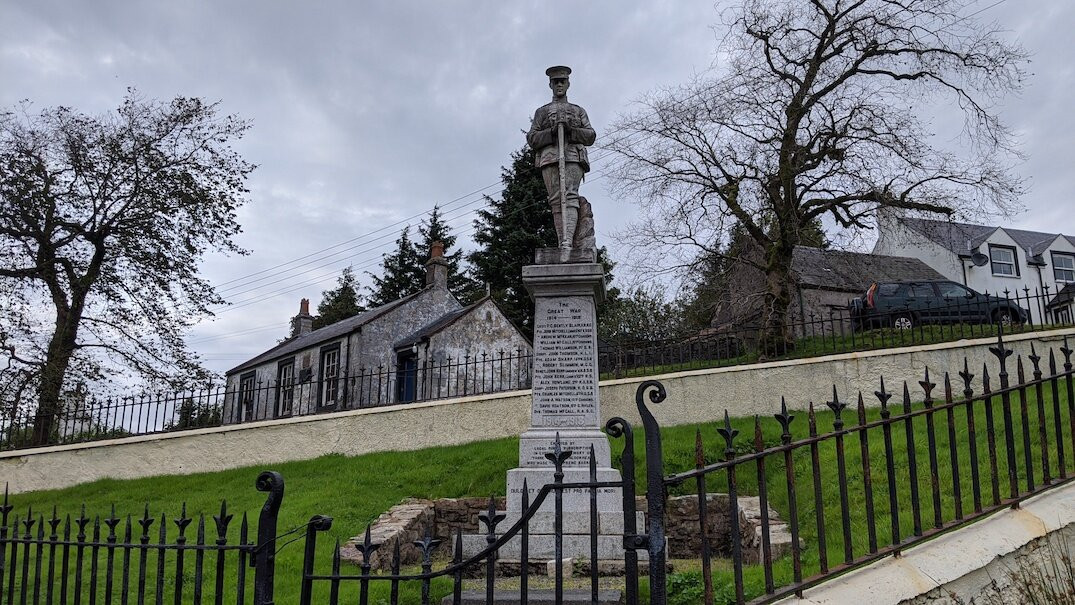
303	323
437	267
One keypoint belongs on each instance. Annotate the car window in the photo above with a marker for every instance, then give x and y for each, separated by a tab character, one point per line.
923	290
952	290
889	289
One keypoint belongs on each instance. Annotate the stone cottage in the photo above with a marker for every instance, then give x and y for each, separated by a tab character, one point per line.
423	346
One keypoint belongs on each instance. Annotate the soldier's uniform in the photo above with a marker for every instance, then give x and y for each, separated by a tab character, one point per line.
578	134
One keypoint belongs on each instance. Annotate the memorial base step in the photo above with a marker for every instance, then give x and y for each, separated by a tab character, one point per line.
574	499
543	546
578	568
535	597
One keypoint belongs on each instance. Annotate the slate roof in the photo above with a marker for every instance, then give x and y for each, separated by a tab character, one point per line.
855	271
440	324
955	236
436	326
326	333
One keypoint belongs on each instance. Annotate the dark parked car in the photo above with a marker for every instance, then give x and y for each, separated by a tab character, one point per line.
905	305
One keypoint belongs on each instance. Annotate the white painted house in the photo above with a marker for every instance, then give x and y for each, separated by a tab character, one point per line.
990	259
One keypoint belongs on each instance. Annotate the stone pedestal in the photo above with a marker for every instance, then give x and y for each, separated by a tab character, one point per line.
565	402
565	399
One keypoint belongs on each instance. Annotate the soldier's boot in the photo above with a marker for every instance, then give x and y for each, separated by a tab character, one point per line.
570	219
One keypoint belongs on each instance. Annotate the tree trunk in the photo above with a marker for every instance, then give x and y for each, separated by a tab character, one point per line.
61	348
775	338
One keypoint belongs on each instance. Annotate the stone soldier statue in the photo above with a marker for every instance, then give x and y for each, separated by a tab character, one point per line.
559	135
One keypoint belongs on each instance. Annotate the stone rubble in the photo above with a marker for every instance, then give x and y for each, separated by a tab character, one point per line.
411	519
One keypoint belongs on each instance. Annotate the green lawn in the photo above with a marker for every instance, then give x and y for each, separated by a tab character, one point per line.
355	490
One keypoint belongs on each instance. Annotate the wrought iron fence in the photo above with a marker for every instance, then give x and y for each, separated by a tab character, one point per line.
114	566
260	399
139	560
246	401
1029	447
841	329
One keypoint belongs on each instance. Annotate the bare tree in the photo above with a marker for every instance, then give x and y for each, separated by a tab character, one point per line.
818	116
103	223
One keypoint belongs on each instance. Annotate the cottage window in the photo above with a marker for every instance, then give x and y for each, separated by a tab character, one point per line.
1064	267
329	376
285	388
1003	259
247	394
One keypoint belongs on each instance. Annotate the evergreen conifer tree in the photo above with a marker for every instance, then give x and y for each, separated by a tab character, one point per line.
507	233
402	272
435	229
341	302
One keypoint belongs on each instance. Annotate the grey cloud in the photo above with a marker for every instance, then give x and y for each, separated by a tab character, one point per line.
368	112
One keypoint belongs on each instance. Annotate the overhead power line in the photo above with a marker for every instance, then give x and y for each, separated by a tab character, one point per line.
372	258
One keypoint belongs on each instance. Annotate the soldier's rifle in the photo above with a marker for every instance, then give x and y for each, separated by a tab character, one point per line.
563	181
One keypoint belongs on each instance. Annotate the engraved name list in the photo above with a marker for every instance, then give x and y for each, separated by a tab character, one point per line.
565	378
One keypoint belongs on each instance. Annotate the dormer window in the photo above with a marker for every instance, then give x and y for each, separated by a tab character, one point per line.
1002	259
1064	267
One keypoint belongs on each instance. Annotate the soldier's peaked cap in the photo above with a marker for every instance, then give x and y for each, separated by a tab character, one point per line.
558	72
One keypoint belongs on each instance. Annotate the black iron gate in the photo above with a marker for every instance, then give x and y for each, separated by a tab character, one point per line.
329	586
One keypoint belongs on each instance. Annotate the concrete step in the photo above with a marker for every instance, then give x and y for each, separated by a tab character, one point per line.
535	597
543	546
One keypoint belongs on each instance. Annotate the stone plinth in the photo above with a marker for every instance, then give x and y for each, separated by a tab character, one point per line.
565	392
566	406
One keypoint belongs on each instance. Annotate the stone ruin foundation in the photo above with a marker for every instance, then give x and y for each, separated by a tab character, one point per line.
411	519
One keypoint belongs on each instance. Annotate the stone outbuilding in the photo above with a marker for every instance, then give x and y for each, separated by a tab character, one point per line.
423	346
824	282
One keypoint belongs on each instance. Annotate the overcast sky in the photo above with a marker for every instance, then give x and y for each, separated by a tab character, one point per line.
366	114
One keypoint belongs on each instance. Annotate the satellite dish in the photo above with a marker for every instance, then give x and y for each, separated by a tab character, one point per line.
979	259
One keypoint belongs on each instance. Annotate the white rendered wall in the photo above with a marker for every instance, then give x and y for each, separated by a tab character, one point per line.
970	565
898	240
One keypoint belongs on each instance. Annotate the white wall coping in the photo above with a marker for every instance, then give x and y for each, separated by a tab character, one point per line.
228	428
1046	334
949	557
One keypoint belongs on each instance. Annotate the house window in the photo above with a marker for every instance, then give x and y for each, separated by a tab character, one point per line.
1064	267
1002	259
330	376
247	393
285	388
406	377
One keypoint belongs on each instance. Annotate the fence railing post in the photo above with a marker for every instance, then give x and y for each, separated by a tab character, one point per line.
655	492
264	559
321	523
